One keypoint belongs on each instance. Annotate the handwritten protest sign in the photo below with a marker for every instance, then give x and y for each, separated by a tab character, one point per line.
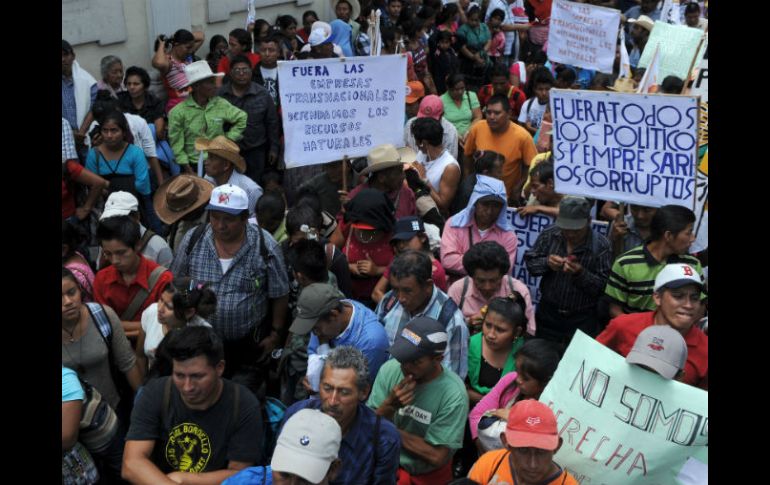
527	229
583	35
677	44
621	423
337	107
633	148
701	85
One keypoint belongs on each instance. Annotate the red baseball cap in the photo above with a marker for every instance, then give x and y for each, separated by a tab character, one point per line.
531	424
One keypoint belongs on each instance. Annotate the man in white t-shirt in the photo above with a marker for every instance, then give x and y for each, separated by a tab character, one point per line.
534	108
514	22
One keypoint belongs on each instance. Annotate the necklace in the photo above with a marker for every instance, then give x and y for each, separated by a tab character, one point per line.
79	362
71	333
366	239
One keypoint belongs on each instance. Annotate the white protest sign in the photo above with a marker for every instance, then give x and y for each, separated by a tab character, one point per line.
620	423
337	107
701	85
634	148
527	230
583	35
678	45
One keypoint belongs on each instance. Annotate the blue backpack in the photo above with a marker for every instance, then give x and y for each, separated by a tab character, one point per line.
272	415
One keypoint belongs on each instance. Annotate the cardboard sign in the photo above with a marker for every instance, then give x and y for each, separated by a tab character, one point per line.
677	44
337	107
583	35
621	423
634	148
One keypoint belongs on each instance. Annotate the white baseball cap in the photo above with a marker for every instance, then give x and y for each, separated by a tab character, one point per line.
661	348
228	198
678	275
119	204
308	444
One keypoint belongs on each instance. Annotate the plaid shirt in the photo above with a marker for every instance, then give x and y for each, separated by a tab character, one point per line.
68	151
456	354
357	450
243	291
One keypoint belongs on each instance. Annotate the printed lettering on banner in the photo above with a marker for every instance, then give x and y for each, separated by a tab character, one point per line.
337	107
623	424
583	35
527	229
634	148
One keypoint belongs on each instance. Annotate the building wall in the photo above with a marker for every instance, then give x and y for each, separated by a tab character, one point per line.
128	28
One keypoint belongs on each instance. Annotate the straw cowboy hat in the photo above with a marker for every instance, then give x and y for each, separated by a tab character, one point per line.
180	195
355	7
382	157
222	147
198	71
623	85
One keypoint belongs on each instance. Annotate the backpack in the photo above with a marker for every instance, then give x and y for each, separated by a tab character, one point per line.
98	422
273	411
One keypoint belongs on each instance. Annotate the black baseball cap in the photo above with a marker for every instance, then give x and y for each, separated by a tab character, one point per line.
422	336
406	228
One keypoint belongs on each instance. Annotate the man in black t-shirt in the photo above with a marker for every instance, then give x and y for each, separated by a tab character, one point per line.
193	421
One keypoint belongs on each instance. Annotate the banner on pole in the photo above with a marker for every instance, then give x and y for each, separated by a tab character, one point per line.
623	424
583	35
634	148
341	106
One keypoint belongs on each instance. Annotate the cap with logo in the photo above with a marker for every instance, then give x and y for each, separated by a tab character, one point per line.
431	106
308	444
677	275
422	336
228	198
573	213
406	228
315	300
661	348
531	424
119	204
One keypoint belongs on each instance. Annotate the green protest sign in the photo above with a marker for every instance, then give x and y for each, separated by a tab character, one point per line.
677	44
621	423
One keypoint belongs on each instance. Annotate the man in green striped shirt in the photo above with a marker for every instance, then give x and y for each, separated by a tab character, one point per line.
632	278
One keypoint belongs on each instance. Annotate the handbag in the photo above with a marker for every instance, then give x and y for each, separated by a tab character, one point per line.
489	431
98	423
78	467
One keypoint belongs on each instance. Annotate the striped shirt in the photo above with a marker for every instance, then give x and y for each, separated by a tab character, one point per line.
242	292
396	318
565	291
632	278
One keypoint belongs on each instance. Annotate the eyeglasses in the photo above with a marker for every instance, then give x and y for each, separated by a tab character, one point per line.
241	70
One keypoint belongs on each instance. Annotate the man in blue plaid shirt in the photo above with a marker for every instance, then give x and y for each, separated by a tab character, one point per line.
414	294
244	266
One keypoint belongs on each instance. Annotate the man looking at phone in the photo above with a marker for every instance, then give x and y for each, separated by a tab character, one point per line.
427	403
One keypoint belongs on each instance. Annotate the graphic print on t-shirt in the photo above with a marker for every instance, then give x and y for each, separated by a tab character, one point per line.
419	415
188	448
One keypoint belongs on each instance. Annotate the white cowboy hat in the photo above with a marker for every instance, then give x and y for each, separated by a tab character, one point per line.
198	71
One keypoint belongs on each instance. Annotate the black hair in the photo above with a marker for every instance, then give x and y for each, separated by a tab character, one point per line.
399	1
540	358
537	57
119	119
566	74
240	59
484	160
272	176
243	37
189	293
306	195
601	79
103	104
258	27
500	99
120	228
486	256
309	258
300	215
455	78
443	35
273	38
429	130
670	218
144	77
270	206
66	273
413	263
671	85
447	12
412	27
499	13
284	21
189	342
512	309
426	13
72	236
544	172
182	36
692	7
474	10
306	13
216	40
542	75
499	70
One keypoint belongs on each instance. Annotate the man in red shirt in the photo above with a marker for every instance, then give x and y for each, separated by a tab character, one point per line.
501	85
677	296
131	282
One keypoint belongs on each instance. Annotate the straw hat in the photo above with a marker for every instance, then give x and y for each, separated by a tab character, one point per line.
354	6
198	71
623	85
382	157
180	195
222	147
644	22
